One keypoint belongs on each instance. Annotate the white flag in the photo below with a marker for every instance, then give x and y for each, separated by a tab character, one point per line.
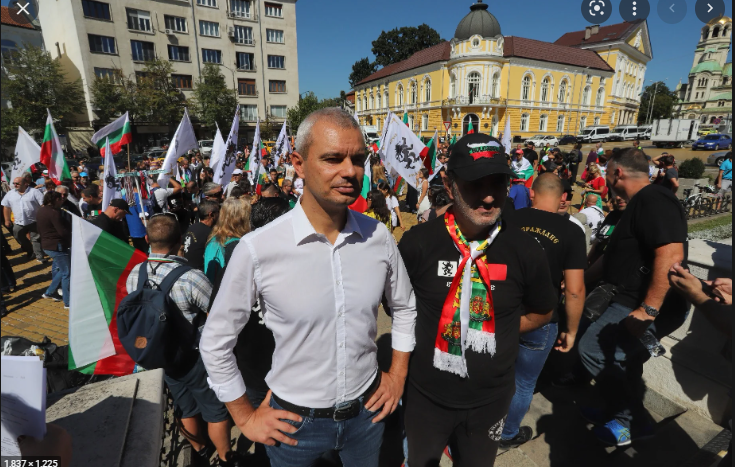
401	150
27	153
218	151
255	155
283	146
183	140
111	189
506	135
227	163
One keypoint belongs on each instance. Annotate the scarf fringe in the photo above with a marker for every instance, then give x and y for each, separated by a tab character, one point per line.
481	341
452	363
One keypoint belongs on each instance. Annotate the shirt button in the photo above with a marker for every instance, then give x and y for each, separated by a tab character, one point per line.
341	344
339	282
341	373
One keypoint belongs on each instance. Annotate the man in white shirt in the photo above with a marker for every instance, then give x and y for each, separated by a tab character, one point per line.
595	216
236	177
23	202
326	389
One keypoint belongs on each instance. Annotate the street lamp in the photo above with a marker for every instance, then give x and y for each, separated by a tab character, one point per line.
653	101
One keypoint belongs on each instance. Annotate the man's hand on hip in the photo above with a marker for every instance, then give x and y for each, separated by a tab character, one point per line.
638	321
266	426
386	396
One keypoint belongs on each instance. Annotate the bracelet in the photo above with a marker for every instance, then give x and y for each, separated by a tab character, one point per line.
650	311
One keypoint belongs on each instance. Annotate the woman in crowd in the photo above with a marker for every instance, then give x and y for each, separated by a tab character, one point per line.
440	202
55	232
378	209
595	183
233	223
378	171
422	180
392	202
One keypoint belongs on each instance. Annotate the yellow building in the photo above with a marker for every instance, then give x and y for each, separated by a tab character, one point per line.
588	77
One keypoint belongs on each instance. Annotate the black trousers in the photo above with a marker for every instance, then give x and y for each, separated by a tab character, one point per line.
573	173
473	434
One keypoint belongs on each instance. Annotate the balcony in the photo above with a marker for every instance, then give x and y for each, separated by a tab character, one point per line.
242	15
252	94
248	68
249	42
466	100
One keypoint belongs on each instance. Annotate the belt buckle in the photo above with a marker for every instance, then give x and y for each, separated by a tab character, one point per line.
346	412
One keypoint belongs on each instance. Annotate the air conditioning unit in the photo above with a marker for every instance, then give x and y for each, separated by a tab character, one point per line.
169	32
231	32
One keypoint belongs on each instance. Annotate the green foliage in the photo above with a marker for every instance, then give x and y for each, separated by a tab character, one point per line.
399	44
691	168
663	105
113	97
157	99
308	103
33	82
213	100
361	70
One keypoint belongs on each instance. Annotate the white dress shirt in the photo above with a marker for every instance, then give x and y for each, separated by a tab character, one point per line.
321	303
24	206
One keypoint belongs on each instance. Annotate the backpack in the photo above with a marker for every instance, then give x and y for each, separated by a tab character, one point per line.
157	209
152	328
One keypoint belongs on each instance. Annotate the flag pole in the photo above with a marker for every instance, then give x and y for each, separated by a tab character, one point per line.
128	145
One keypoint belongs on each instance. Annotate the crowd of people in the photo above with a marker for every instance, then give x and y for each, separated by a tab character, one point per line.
498	283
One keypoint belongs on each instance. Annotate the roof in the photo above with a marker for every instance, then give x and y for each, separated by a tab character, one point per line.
350	97
437	53
11	17
725	96
720	20
547	52
613	32
709	65
727	69
477	22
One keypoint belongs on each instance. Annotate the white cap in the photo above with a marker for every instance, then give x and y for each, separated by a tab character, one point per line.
45	171
237	172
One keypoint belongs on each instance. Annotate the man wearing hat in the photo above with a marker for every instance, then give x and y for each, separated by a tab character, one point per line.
479	285
236	177
110	220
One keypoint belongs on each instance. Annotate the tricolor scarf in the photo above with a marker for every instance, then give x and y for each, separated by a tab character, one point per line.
468	319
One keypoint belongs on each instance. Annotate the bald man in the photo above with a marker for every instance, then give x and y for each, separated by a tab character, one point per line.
566	250
595	216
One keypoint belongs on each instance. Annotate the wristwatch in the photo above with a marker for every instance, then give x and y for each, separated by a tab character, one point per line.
650	311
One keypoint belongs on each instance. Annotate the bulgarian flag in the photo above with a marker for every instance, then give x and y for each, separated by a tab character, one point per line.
100	265
119	133
470	128
405	118
429	157
360	204
51	154
5	176
454	139
398	185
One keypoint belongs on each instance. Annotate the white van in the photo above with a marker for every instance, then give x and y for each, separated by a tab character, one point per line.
644	132
624	133
594	134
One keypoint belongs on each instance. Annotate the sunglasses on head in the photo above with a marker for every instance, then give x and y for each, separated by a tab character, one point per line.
165	214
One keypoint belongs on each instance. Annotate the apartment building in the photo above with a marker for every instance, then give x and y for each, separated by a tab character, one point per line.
253	41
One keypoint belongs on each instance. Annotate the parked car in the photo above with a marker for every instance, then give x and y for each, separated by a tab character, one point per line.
706	131
568	139
717	158
623	133
714	141
542	140
205	146
155	153
594	134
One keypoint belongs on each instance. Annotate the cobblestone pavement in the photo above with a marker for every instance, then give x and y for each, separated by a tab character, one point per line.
31	316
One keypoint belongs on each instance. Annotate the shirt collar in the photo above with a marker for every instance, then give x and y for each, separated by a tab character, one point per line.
302	228
178	259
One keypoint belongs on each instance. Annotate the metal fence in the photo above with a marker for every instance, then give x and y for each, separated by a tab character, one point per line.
706	205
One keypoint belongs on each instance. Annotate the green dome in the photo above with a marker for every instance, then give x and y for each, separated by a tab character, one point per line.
710	66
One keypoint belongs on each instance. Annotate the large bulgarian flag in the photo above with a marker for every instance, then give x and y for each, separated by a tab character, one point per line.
100	265
118	132
429	158
51	154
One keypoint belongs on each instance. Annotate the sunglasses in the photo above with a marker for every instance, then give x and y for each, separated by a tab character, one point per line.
165	214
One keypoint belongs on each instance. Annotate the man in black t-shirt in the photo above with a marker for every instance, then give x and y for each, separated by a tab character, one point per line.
479	284
531	155
111	219
566	250
195	238
647	241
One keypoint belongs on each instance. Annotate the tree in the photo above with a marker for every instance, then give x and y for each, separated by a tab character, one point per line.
157	99
308	103
32	82
663	104
361	70
113	96
214	101
399	44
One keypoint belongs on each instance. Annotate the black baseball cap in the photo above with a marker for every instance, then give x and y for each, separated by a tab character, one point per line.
120	204
477	155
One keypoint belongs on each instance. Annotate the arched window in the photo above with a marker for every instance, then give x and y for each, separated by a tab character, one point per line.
586	95
600	97
399	95
560	123
357	105
543	122
364	103
412	95
705	33
410	123
473	86
597	120
716	32
526	88
563	92
378	105
386	104
424	122
452	86
524	122
545	85
372	102
427	90
582	123
495	86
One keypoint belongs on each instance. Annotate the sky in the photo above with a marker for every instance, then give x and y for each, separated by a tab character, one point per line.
333	34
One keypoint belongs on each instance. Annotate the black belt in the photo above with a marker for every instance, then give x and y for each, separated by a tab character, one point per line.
342	412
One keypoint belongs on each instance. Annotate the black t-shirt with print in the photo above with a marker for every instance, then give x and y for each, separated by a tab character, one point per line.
606	230
654	217
563	242
195	242
520	279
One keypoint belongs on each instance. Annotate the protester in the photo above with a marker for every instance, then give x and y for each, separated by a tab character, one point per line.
55	232
23	202
595	183
391	200
521	166
162	195
324	380
378	209
600	241
595	216
724	175
136	219
233	222
575	158
196	237
530	155
298	186
440	202
519	194
77	185
593	156
213	192
647	241
111	219
190	293
668	176
273	177
287	193
565	249
378	171
68	204
460	380
236	177
91	204
565	208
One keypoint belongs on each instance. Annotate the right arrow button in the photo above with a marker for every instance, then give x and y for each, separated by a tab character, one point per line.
707	10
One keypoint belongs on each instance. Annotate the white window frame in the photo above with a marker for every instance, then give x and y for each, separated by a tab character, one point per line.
217	53
562	96
274	60
560	124
413	93
244	35
177	47
545	89
207	3
526	85
272	35
241	8
249	112
600	98
285	110
208	28
474	78
424	122
452	87
597	120
273	12
582	122
524	122
495	85
176	21
543	122
427	90
379	103
141	18
399	95
586	95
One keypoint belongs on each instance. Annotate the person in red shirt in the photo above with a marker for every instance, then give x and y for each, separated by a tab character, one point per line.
595	183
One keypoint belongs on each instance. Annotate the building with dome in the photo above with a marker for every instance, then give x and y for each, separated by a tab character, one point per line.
588	77
707	95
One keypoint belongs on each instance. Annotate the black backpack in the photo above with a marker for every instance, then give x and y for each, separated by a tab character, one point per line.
152	328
